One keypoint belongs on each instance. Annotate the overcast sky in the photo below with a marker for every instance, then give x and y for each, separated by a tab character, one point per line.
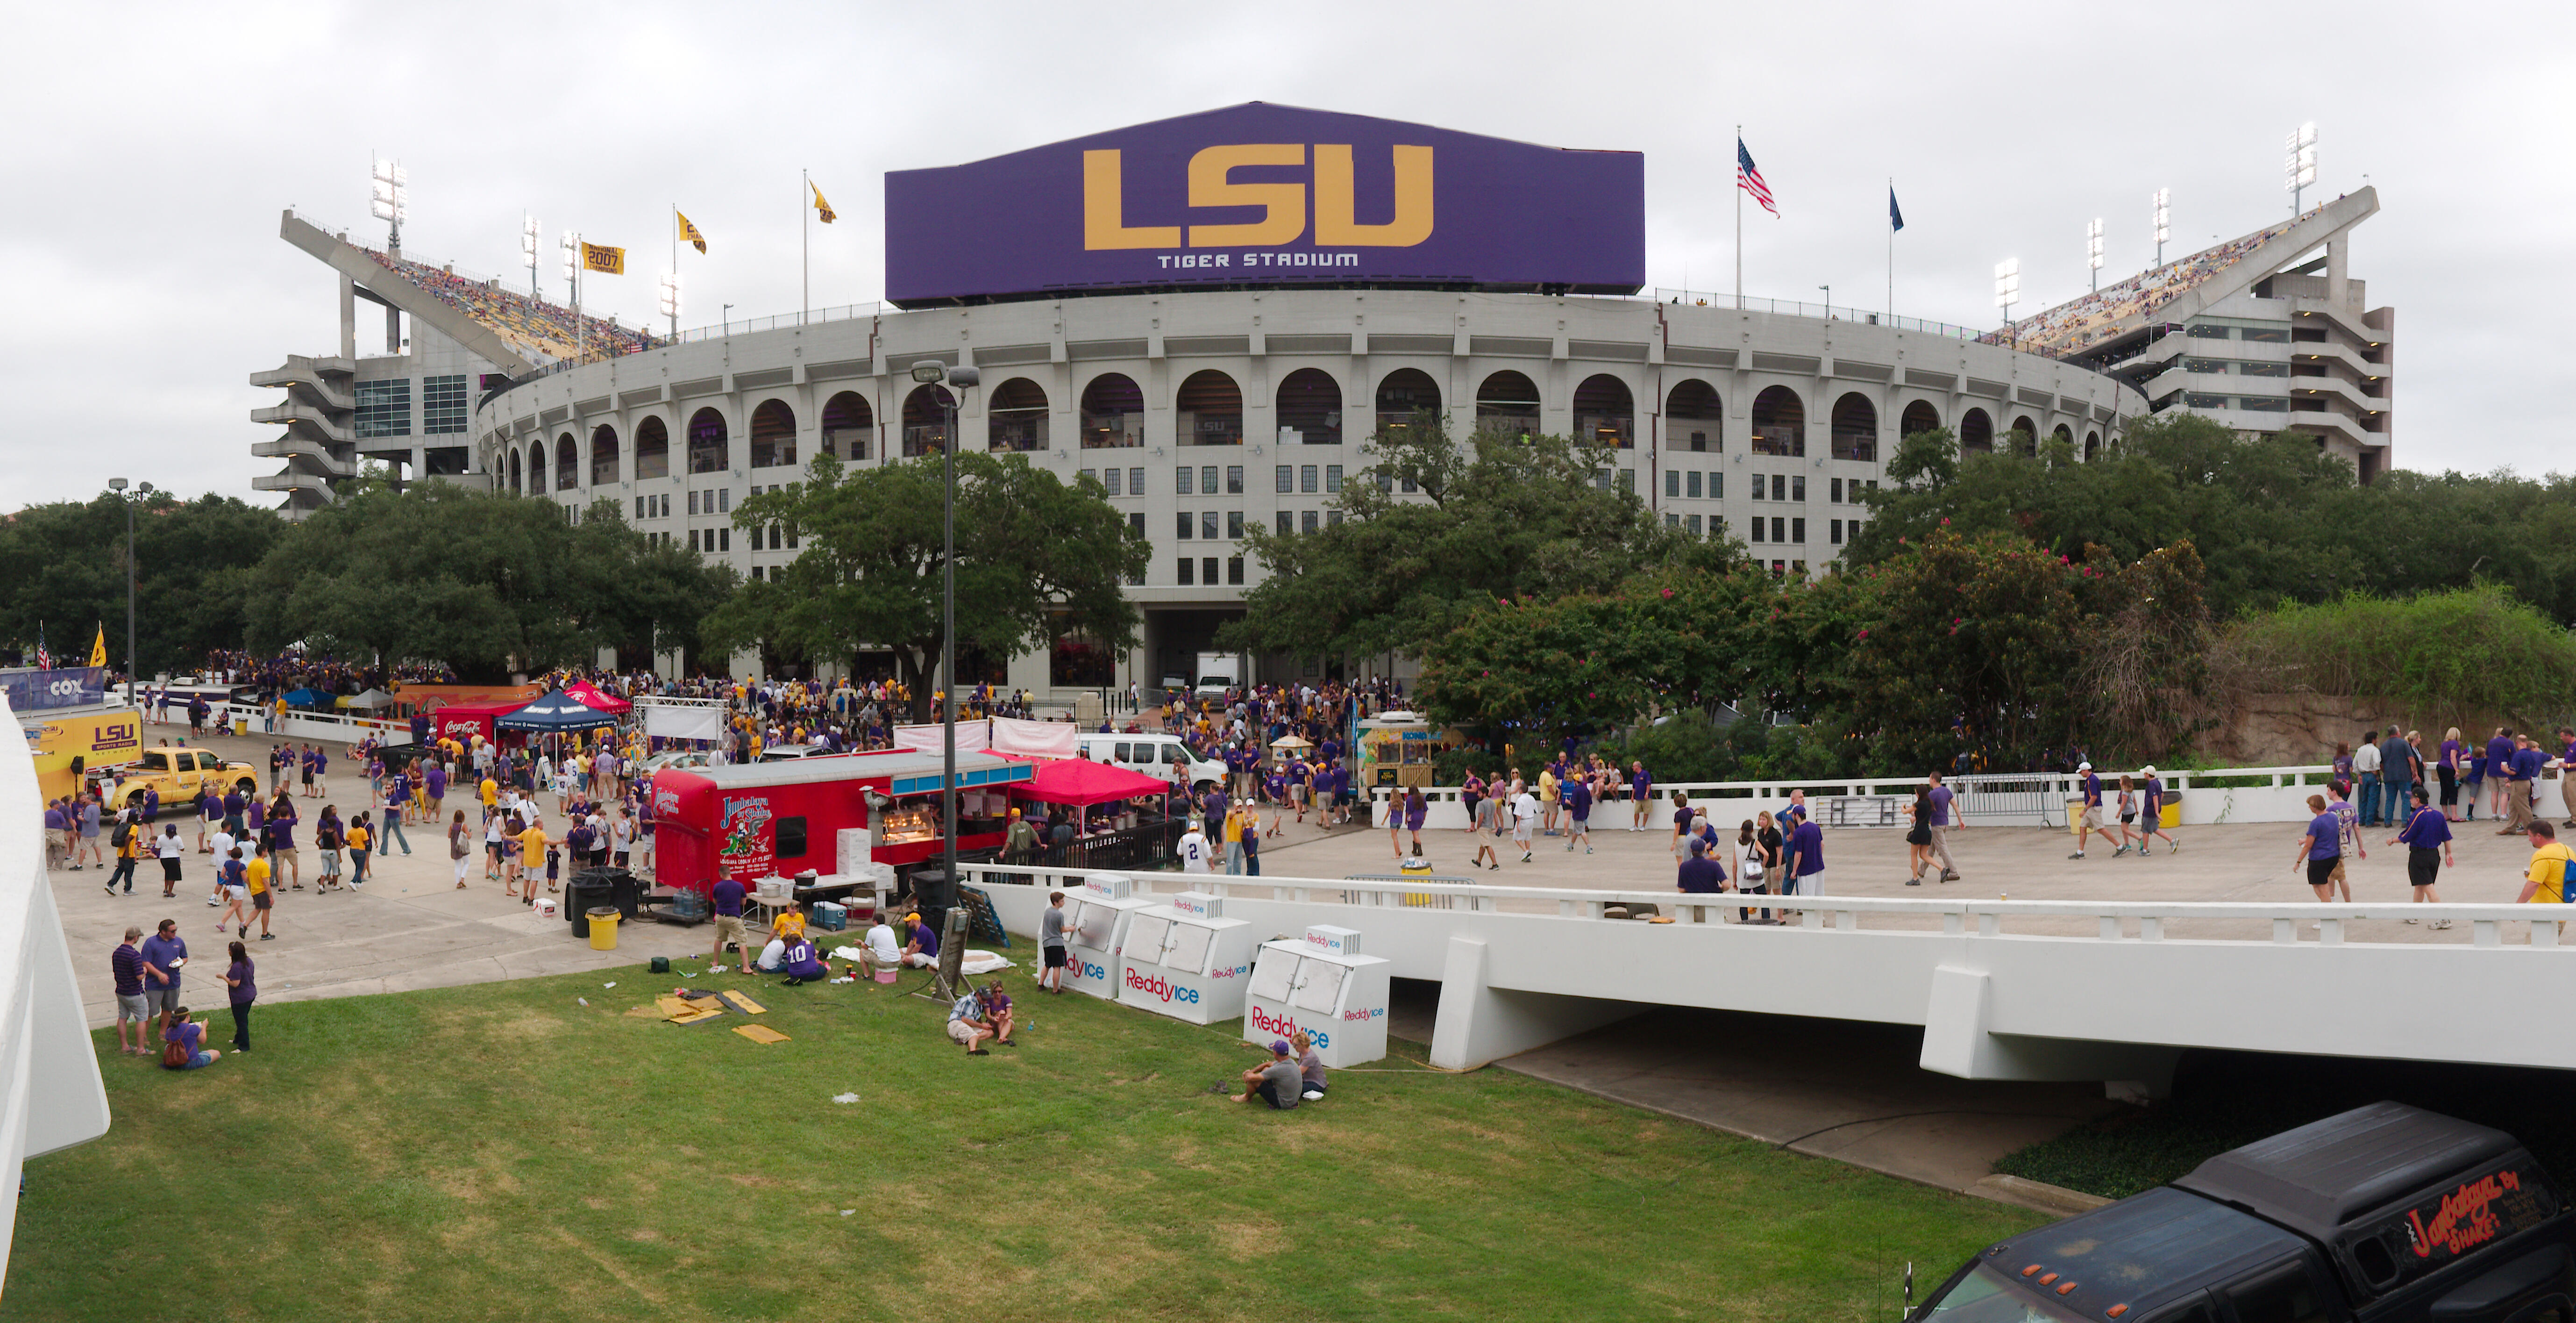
152	148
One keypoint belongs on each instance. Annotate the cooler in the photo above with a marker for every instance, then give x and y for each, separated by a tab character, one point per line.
1320	984
1187	960
1096	929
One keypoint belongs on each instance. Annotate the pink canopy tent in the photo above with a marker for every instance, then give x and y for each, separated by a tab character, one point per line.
1081	783
590	697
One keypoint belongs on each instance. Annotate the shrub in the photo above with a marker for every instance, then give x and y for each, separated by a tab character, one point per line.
2476	649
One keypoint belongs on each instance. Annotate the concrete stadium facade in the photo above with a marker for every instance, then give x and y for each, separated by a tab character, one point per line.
1206	411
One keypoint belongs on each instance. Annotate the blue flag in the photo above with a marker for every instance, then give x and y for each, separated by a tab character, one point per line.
1895	218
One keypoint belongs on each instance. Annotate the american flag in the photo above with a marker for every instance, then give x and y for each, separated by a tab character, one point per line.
44	659
1749	178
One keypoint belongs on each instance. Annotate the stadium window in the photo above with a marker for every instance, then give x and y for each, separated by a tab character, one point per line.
777	533
1234	480
755	574
1186	526
1757	530
1207	480
724	539
1778	568
1135	482
1093	474
1309	478
1185	481
443	408
1309	518
1779	529
1757	486
1716	484
1799	568
1136	521
1234	526
1207	571
1332	477
384	408
1797	489
1837	530
1287	477
1672	520
791	537
1234	569
1693	524
693	504
1601	479
1872	484
1694	484
1837	489
724	500
1189	571
639	507
1717	526
1780	488
1114	480
2201	331
1673	483
1628	480
2263	369
1409	485
1332	518
693	539
1207	524
1287	523
1385	482
2264	335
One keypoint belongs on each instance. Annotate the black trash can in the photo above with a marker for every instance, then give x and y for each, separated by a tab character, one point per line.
580	896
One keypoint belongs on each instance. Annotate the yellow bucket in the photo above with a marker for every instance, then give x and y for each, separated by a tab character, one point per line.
603	929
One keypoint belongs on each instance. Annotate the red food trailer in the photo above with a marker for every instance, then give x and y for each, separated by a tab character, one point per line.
463	721
757	820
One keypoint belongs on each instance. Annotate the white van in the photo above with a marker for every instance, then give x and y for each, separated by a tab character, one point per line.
1155	755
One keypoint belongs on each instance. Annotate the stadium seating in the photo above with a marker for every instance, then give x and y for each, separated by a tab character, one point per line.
2073	325
530	324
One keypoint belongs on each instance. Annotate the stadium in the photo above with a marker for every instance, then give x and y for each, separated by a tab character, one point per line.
1153	307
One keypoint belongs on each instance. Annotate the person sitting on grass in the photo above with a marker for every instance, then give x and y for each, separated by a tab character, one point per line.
997	1013
773	957
800	966
967	1025
878	949
922	951
182	1044
1277	1082
1310	1067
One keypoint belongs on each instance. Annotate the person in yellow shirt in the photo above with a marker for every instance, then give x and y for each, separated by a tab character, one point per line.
2544	879
531	855
1547	800
1234	838
789	926
261	895
490	790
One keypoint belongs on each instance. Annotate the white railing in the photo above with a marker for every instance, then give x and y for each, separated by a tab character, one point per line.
2116	920
299	724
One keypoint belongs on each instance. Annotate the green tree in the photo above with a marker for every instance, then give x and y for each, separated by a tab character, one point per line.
62	568
1434	528
1037	559
485	583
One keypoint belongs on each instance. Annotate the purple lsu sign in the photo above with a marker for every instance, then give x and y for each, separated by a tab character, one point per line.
1259	194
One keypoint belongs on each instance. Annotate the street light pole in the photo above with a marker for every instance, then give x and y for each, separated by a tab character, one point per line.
930	372
117	485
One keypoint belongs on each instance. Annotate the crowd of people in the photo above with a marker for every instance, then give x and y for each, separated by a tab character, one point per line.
529	322
2078	322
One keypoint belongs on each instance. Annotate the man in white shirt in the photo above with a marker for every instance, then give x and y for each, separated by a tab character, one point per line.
1194	852
2365	775
1524	817
883	951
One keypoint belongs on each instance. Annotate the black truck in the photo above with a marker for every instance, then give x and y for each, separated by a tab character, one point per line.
2384	1214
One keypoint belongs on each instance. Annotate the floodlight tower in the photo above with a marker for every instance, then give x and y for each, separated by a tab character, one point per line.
2164	222
528	252
671	301
392	199
2008	287
2300	168
2093	251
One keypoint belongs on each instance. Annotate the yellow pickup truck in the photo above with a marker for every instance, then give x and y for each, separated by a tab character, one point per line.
178	773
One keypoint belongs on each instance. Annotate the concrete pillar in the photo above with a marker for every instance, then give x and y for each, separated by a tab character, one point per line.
348	318
1956	1041
1479	1024
2338	288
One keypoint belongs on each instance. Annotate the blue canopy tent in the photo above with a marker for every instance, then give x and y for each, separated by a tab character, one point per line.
558	711
311	698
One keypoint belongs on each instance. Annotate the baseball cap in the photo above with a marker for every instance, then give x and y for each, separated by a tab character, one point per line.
1280	1046
2148	770
912	918
2083	767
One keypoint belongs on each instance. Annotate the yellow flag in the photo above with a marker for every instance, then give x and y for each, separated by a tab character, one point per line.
606	261
690	231
98	650
819	204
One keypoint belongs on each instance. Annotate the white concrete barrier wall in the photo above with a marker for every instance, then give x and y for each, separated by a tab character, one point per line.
2300	990
51	1094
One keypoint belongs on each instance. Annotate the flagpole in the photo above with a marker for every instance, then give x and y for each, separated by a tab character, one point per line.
805	236
675	271
1739	218
1891	250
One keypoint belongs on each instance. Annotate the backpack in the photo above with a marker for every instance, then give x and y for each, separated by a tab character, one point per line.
175	1055
122	836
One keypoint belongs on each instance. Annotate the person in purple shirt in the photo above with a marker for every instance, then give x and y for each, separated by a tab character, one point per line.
161	953
1641	796
132	1007
1576	795
234	806
1943	798
800	966
2499	765
2427	836
241	981
1802	858
1701	872
188	1033
282	818
2448	768
2153	800
2321	850
726	896
2090	821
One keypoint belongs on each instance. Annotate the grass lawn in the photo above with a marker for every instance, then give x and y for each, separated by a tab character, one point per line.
502	1152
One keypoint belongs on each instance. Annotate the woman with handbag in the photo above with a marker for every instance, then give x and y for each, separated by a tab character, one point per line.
1918	842
242	980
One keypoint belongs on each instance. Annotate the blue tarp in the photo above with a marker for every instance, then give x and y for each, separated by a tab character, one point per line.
311	698
557	711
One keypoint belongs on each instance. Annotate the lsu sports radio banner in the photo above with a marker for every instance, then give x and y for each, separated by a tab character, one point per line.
606	261
1266	194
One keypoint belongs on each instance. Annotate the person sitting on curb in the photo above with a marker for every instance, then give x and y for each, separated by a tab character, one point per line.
967	1025
1278	1082
182	1043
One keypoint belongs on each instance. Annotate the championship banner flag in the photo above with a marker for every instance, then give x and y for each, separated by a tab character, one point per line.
819	204
690	231
606	261
1895	218
98	650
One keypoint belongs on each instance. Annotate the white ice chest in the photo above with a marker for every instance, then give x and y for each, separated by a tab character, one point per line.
1101	909
1187	960
1320	984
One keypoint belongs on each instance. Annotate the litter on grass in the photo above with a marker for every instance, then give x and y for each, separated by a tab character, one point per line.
608	985
847	1211
760	1033
583	1000
845	1097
